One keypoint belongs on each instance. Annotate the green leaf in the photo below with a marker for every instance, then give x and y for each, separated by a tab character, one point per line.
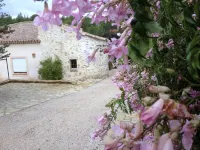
153	27
139	29
142	16
134	52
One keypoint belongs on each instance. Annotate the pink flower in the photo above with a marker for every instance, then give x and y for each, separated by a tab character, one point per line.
168	145
91	58
103	120
158	4
149	53
188	133
154	78
162	141
118	52
145	75
43	19
138	129
155	34
148	143
118	131
170	44
150	115
194	93
165	142
106	50
174	125
99	133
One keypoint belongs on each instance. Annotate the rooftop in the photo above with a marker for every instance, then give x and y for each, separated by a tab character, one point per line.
24	33
27	33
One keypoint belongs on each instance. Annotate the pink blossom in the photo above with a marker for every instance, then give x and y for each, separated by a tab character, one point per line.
148	143
154	78
155	35
194	93
188	133
118	131
91	58
150	115
118	52
145	75
106	50
44	18
168	145
149	53
170	44
99	133
103	120
158	4
174	125
162	141
77	29
165	142
63	7
138	129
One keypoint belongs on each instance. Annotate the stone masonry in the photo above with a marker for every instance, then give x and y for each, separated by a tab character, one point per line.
58	41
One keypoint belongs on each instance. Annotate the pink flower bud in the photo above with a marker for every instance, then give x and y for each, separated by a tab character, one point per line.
158	89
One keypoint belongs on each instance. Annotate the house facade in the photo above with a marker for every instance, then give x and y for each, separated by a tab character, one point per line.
25	53
30	45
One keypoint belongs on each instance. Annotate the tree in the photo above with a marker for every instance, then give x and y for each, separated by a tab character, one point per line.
32	17
3	30
3	53
102	29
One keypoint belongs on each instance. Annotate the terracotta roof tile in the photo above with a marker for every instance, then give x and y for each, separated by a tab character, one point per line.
25	33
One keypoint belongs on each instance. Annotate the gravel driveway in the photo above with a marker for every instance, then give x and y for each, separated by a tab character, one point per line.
17	96
64	123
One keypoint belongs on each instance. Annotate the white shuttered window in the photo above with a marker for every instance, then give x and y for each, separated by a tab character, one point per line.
19	65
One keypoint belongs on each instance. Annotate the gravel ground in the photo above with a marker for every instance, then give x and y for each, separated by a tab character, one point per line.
61	123
17	96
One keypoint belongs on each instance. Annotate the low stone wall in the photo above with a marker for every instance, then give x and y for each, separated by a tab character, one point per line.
35	81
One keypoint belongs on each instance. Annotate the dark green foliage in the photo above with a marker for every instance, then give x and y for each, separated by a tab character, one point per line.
7	19
102	29
51	69
3	30
175	22
3	52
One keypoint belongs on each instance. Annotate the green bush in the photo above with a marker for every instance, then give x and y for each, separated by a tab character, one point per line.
51	69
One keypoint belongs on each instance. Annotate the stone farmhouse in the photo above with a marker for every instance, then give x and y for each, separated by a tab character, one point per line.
29	45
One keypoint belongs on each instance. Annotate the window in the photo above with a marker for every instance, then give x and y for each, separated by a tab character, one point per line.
19	65
73	63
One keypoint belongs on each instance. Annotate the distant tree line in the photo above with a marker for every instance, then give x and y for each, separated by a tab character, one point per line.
7	19
103	29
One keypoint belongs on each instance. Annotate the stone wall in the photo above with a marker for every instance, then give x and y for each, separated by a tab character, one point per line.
56	41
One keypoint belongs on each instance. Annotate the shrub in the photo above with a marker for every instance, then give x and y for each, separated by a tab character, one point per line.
51	69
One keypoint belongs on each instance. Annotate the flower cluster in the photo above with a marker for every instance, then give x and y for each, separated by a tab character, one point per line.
162	31
98	11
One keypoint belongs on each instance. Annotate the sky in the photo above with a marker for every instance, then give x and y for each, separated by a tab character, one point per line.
26	7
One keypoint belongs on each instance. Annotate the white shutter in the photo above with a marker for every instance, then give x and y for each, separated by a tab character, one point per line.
19	65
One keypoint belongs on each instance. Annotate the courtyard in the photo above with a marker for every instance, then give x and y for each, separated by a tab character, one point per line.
52	117
17	96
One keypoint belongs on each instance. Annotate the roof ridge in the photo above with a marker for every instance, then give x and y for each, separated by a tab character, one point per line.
88	34
21	22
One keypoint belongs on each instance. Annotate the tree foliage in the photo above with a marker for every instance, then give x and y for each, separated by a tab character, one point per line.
3	30
101	29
